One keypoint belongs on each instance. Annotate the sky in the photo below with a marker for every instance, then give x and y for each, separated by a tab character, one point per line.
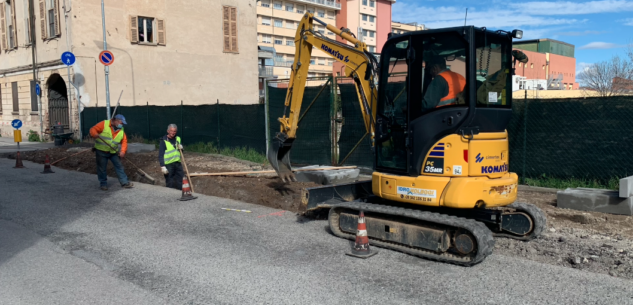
598	29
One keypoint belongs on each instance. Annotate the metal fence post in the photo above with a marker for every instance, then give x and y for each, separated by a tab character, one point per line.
149	134
218	116
182	133
525	118
333	118
266	123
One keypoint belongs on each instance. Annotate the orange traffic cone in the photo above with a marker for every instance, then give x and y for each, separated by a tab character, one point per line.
47	166
361	246
18	161
186	190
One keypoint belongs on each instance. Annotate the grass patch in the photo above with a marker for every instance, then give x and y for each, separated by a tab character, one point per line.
242	153
558	183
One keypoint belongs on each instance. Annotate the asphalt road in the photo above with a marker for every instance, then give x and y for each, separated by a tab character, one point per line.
64	241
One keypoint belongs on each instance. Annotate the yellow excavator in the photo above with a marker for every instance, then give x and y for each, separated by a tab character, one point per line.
436	105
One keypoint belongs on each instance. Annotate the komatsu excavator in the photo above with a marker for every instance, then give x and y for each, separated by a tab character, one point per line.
441	187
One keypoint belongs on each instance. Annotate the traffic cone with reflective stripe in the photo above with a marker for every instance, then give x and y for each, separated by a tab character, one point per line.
47	166
361	246
186	190
18	161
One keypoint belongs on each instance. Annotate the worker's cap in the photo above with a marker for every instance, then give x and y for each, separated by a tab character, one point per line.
120	117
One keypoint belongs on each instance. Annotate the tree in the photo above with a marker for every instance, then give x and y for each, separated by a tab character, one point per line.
609	78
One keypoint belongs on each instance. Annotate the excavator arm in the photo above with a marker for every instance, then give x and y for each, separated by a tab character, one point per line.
360	65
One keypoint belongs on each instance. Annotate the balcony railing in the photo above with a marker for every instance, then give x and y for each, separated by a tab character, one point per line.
265	71
331	4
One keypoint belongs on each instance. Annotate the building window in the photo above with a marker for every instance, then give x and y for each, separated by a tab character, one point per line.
290	24
330	62
311	11
330	14
266	38
371	34
372	49
279	40
14	94
531	66
372	18
27	24
279	23
290	7
321	13
265	20
277	5
321	61
290	43
364	17
312	61
365	2
9	31
300	9
49	14
330	33
229	21
265	3
147	30
372	3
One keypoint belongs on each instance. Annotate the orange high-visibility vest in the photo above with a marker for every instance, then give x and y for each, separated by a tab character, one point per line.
456	84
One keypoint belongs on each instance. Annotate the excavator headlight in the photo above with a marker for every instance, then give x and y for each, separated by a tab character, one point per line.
518	34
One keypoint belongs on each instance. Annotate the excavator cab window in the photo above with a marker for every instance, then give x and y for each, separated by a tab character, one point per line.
493	67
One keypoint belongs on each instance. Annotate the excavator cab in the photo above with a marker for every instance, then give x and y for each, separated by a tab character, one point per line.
436	83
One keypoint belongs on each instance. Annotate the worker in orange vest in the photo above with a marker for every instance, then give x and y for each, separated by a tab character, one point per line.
446	86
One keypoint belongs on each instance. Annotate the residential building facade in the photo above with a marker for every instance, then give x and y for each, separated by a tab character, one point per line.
277	23
165	52
401	28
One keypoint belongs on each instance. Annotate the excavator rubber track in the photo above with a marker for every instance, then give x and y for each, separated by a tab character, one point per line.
483	238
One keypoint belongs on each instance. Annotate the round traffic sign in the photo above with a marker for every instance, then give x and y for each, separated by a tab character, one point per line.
106	58
68	58
38	90
16	124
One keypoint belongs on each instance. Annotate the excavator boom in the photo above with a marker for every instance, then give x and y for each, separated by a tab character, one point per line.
360	66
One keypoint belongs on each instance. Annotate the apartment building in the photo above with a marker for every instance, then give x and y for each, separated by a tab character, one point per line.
551	65
166	51
401	28
277	23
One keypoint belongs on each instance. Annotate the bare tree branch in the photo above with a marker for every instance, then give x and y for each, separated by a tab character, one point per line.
610	78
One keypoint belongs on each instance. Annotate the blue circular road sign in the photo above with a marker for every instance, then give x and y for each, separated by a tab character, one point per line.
106	58
16	124
38	91
68	58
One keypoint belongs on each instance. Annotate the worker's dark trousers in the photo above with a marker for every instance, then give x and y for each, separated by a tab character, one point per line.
102	165
174	178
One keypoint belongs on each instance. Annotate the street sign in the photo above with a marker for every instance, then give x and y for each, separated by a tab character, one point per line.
38	91
16	124
106	58
68	58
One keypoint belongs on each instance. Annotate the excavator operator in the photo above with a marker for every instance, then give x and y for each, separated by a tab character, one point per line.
445	88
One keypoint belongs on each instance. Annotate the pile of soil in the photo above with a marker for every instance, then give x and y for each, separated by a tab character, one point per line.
267	190
591	241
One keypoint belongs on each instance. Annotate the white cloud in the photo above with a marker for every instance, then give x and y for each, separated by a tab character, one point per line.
573	8
600	45
581	33
628	22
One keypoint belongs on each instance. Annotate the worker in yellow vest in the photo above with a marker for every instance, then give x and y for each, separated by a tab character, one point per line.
169	158
110	144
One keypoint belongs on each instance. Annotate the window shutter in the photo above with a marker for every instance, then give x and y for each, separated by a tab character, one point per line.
58	31
162	39
15	26
3	26
233	29
43	19
133	29
227	28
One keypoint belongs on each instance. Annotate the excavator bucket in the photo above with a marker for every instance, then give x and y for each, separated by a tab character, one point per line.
279	157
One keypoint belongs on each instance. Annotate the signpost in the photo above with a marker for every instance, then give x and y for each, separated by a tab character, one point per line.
107	67
17	134
68	59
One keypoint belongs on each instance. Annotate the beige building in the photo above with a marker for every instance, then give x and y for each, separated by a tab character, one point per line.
166	51
277	23
401	28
